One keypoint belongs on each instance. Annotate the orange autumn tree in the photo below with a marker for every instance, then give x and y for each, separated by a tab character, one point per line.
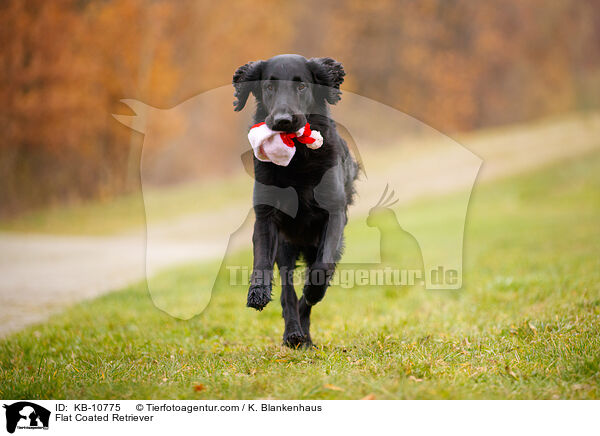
66	65
458	65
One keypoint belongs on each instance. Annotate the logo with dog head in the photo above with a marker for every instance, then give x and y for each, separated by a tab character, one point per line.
26	415
398	155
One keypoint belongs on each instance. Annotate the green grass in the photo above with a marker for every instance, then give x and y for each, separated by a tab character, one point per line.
525	325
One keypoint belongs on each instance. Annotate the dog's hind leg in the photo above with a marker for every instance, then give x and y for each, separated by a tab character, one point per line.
287	254
304	312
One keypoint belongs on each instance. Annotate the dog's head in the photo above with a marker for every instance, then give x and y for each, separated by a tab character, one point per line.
288	87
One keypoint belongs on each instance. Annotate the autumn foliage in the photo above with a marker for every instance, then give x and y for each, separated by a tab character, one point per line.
455	64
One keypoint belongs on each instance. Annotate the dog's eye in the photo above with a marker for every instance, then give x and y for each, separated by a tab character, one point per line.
269	87
301	86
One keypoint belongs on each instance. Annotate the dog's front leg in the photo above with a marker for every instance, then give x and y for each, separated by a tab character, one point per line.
322	269
264	240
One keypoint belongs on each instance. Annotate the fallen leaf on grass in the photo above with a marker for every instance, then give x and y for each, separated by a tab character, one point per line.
511	372
369	397
199	387
416	380
332	387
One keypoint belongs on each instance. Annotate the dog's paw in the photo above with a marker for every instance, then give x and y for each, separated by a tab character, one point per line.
259	296
297	339
306	344
294	338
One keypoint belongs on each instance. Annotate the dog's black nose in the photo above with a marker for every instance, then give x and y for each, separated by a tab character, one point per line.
282	122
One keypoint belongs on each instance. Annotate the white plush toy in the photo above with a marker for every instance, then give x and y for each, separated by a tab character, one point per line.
278	147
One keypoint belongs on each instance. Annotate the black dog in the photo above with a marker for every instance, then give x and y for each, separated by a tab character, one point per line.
291	91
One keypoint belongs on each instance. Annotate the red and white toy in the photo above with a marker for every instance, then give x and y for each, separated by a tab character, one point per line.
278	147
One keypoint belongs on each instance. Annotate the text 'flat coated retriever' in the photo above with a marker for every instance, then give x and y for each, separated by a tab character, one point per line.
291	91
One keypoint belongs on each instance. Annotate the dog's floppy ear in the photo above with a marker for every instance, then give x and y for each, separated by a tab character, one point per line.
245	81
328	73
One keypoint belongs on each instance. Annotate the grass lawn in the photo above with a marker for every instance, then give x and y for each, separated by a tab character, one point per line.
525	325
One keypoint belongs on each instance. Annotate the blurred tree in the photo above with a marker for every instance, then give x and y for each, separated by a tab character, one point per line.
455	64
65	66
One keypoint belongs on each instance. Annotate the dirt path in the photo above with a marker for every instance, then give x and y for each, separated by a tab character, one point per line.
42	274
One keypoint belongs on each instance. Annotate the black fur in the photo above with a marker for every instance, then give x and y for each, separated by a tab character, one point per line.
290	91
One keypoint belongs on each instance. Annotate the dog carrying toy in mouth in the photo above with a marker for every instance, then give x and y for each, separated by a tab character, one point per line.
278	147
